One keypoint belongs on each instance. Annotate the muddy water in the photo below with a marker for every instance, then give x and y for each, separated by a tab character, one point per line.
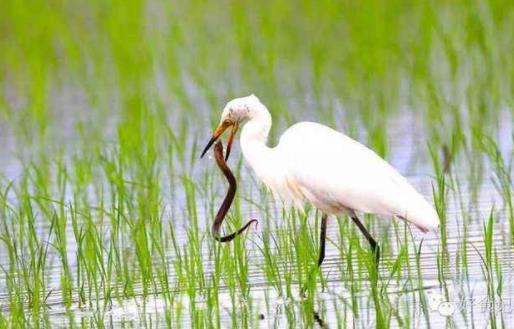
459	300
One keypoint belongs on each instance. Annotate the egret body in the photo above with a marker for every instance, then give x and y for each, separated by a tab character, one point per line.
319	165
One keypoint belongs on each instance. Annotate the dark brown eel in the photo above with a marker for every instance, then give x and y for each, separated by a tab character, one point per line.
229	198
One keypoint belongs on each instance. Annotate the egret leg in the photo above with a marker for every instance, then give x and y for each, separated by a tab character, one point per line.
322	238
374	245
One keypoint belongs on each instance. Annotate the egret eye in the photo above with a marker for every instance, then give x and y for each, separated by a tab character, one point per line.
228	122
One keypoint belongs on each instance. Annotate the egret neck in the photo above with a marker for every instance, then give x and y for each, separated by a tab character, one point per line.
257	154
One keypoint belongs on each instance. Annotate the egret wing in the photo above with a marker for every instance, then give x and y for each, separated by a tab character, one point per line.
338	174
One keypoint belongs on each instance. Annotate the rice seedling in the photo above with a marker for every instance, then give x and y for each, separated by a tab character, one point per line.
106	211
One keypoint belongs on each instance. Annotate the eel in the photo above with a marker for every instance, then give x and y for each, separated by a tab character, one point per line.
227	201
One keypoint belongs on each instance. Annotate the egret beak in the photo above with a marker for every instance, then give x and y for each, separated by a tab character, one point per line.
233	132
217	133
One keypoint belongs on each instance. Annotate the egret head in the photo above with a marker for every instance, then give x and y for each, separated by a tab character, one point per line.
236	112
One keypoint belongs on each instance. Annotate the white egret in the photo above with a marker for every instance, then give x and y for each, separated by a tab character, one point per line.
317	164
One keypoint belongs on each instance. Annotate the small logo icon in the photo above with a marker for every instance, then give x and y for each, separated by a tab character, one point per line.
438	303
446	309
